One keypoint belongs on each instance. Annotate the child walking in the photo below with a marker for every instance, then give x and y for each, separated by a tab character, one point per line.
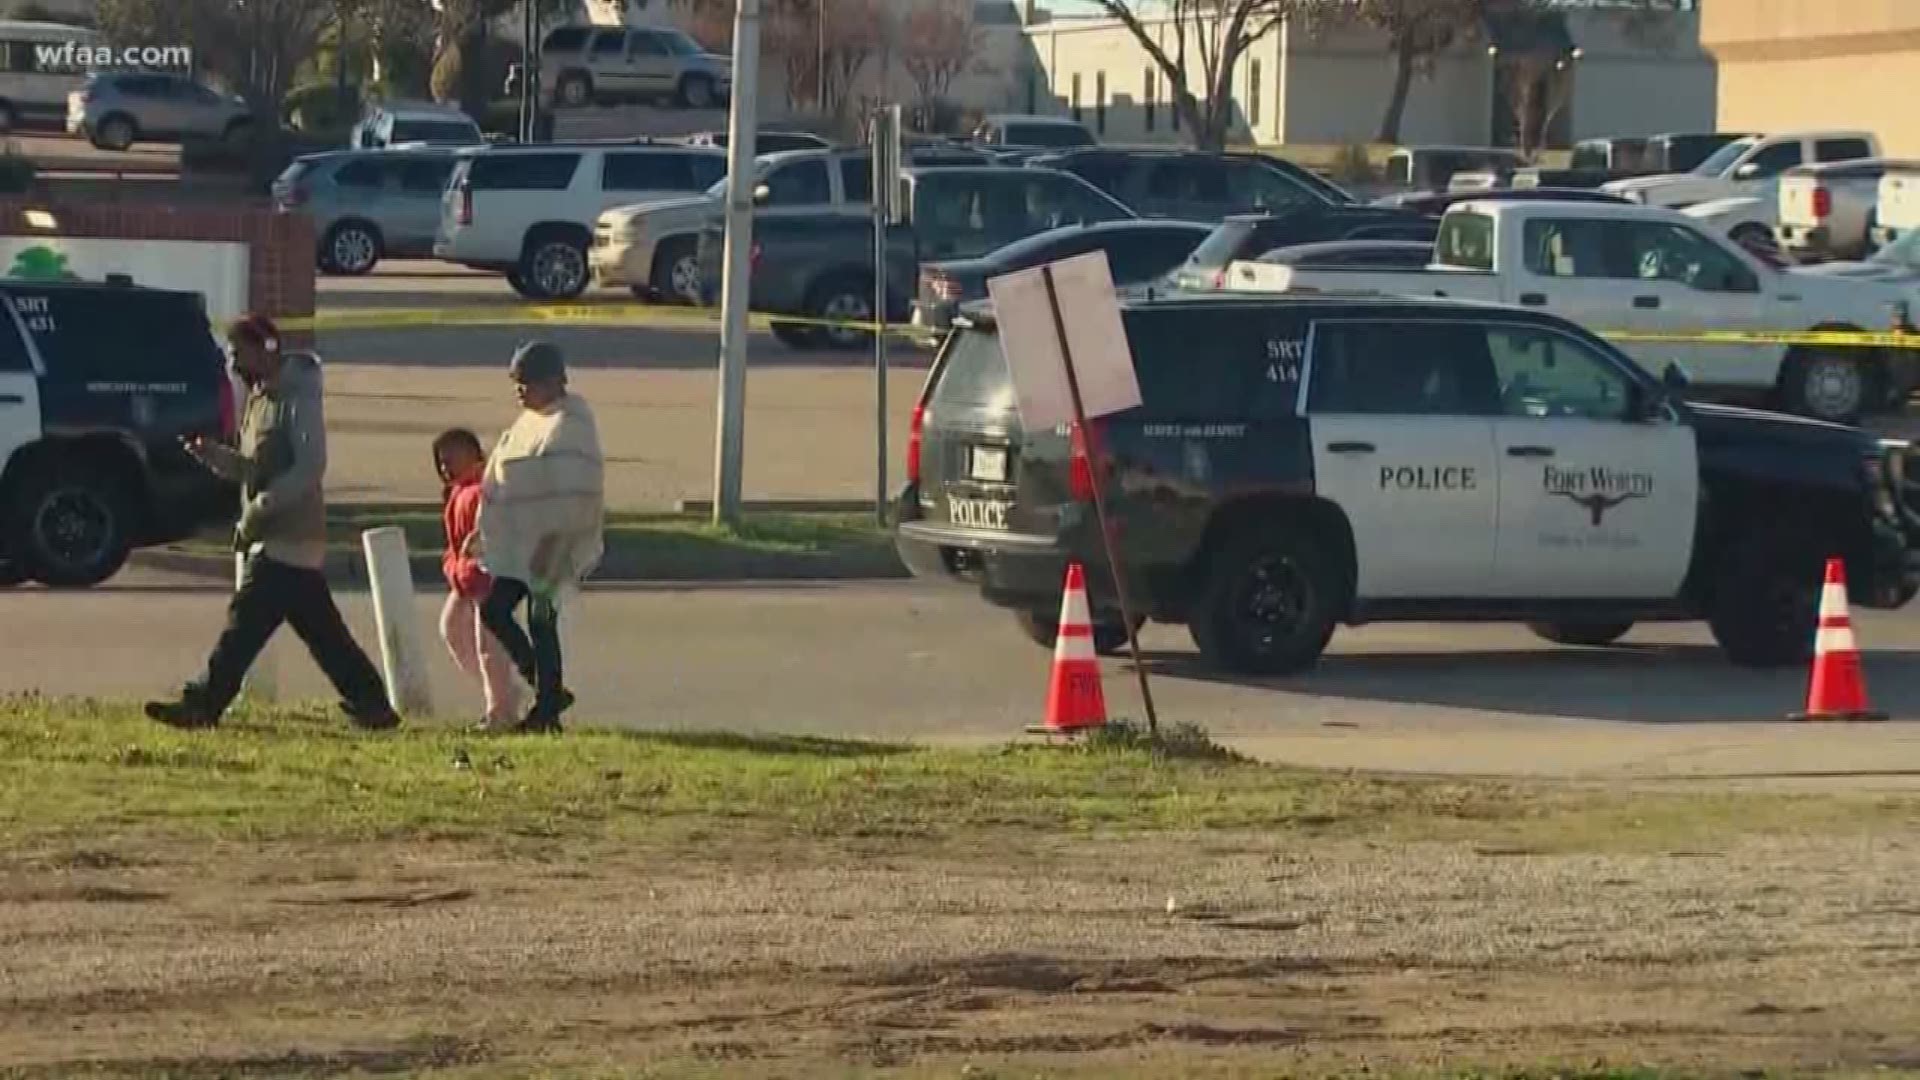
462	463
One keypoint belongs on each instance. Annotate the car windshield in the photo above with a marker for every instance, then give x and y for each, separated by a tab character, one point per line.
1722	159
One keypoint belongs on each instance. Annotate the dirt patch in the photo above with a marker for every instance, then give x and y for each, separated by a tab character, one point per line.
476	960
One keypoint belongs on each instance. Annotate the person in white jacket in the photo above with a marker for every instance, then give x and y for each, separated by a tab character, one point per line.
542	509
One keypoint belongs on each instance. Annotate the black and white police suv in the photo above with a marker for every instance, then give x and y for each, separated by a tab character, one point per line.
98	383
1301	462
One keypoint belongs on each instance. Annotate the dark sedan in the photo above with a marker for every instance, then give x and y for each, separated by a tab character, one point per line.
1138	252
1250	236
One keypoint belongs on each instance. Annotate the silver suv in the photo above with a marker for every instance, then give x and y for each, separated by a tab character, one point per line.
367	204
580	65
118	108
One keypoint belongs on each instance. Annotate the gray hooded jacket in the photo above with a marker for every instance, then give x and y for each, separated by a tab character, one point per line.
281	466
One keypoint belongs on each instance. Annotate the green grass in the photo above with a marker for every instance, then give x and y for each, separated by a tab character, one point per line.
661	546
85	770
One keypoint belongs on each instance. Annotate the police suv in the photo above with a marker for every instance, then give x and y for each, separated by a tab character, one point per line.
1301	462
98	384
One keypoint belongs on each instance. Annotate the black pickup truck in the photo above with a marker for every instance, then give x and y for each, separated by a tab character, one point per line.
1304	462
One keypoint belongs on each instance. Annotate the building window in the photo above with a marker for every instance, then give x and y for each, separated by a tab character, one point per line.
1150	96
1253	96
1100	102
1078	115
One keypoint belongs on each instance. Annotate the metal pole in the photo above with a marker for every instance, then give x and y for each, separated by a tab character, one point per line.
729	445
882	200
820	55
1100	500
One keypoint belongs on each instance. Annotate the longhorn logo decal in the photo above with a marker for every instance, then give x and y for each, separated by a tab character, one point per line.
1598	504
1598	489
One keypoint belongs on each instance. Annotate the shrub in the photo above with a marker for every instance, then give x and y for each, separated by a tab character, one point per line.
317	107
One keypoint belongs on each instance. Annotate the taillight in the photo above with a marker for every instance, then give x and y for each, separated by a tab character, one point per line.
940	285
916	430
297	195
1080	467
465	216
1822	202
1220	278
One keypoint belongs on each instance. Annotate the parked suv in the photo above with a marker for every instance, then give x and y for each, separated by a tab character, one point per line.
528	211
1249	236
98	385
1192	186
1032	133
367	205
119	108
583	64
1301	463
653	248
399	123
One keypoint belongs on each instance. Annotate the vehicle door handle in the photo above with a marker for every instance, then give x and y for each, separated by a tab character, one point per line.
1646	301
13	399
1534	299
1350	448
1530	451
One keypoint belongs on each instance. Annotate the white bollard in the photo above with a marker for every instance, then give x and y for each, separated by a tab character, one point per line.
403	652
262	682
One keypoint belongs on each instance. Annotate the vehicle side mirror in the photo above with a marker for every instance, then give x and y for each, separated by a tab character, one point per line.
762	193
1674	377
1748	171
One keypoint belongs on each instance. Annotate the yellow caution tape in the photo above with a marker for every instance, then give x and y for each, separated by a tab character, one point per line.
661	315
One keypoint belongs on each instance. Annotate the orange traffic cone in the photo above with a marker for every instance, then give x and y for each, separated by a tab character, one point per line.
1075	702
1838	690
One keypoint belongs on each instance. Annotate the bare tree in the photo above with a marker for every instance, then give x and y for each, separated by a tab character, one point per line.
255	47
1209	39
938	41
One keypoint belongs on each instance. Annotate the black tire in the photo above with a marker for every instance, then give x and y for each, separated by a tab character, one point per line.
238	133
1590	634
116	132
1764	600
796	337
518	283
70	525
352	248
1269	603
553	266
676	272
574	90
1109	639
695	92
847	297
1839	387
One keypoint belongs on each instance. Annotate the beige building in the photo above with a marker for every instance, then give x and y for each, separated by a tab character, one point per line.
1292	87
1796	64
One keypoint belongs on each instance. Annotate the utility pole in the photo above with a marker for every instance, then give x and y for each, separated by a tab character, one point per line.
742	134
820	55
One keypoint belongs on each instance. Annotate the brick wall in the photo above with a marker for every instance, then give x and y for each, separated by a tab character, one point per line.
280	246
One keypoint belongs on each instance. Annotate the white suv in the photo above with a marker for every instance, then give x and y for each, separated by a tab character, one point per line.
528	211
653	248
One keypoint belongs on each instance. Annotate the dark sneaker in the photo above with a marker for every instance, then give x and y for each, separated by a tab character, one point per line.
185	714
373	717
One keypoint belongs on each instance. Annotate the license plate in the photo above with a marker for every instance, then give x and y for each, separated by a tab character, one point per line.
988	463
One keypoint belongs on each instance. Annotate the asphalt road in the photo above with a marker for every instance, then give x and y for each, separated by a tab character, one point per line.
903	661
810	421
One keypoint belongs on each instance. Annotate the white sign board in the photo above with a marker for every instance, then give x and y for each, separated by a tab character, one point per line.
1095	338
217	270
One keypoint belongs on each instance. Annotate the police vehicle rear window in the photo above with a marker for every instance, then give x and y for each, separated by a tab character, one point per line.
156	341
975	372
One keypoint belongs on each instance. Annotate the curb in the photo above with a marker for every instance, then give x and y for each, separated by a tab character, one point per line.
781	506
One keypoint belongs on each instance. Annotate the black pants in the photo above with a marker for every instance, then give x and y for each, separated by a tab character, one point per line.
272	593
535	651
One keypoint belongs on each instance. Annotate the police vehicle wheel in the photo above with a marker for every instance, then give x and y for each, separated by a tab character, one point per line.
1832	386
1269	604
1592	634
1109	639
1765	602
69	526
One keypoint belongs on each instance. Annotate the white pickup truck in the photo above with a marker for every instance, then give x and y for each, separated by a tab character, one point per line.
1898	209
1746	167
1623	270
1829	211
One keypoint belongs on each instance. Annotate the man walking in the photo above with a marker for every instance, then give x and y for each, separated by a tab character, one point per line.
280	466
542	506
